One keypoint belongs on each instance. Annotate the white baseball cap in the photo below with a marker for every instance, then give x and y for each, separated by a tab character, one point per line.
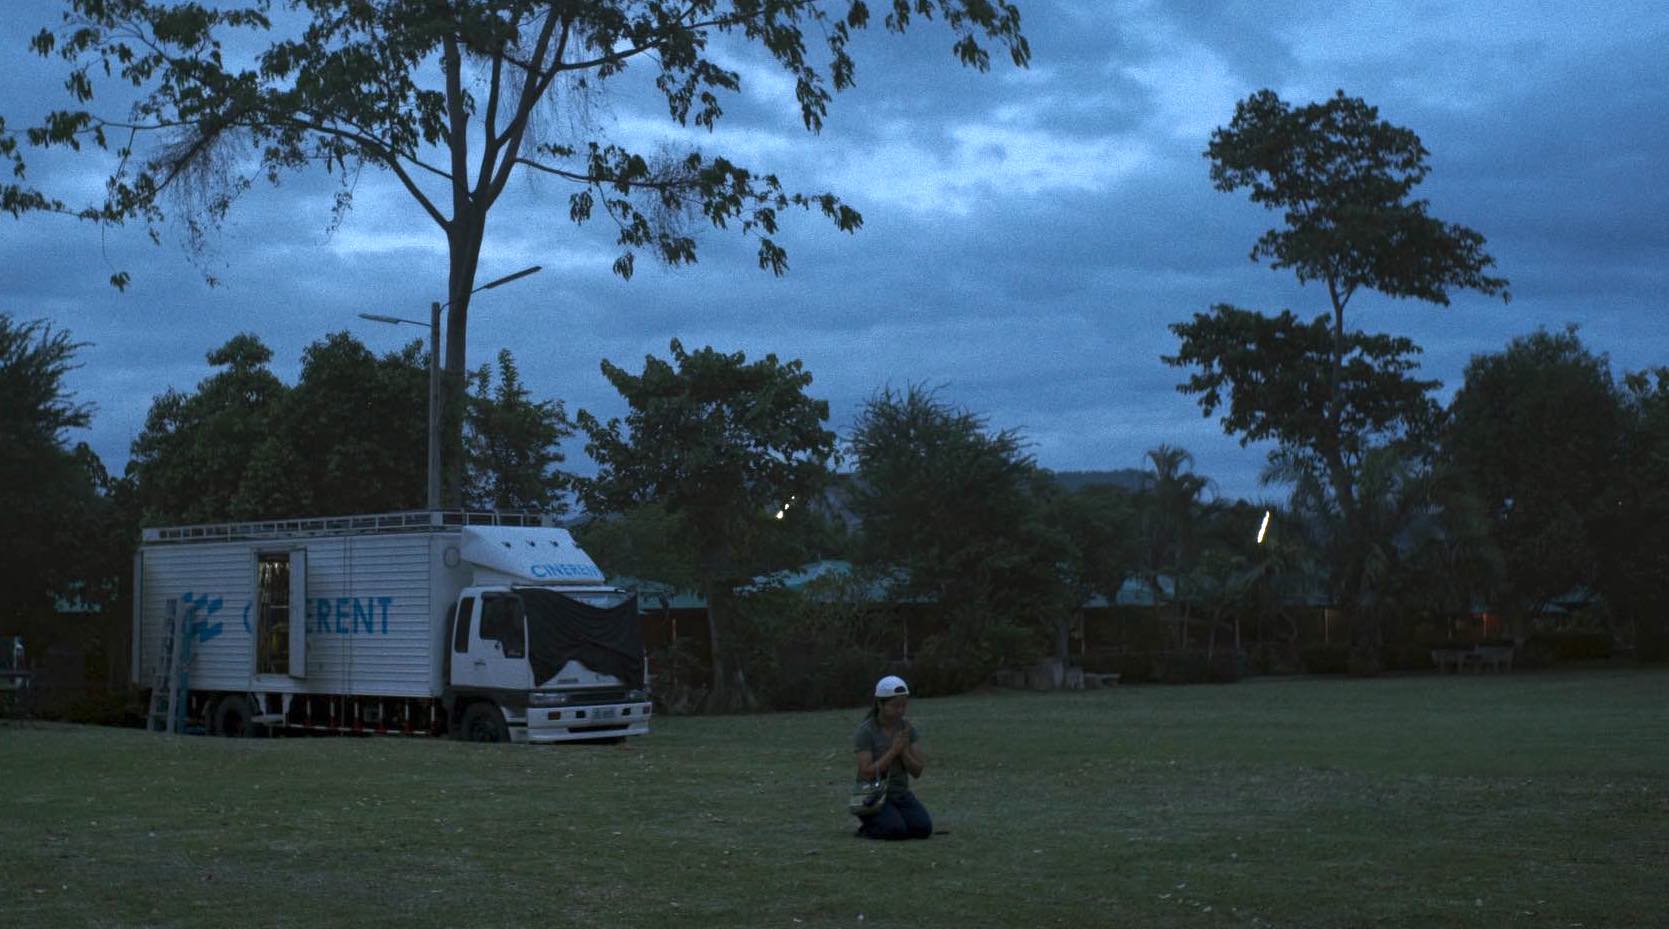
892	686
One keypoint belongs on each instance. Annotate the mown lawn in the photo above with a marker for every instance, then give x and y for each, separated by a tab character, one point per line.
1538	799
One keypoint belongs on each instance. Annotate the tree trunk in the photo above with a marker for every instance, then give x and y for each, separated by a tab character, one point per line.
1363	634
463	240
1063	638
729	692
715	641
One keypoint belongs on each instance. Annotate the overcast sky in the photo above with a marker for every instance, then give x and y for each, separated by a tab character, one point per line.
1028	234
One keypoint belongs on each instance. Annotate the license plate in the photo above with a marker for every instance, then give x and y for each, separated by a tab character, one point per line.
603	712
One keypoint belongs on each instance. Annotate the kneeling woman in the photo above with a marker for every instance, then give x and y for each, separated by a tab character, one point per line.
888	746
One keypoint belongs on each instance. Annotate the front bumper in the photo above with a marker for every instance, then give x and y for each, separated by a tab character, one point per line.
574	723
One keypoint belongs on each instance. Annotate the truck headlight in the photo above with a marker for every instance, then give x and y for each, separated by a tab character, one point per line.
636	696
538	699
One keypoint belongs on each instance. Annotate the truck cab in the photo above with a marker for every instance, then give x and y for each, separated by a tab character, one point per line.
539	649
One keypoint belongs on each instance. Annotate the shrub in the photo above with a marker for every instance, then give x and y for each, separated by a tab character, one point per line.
1325	659
1274	658
1651	638
1181	667
965	656
1406	656
811	674
1131	667
948	664
1366	661
1225	666
681	681
22	703
1572	646
105	708
814	649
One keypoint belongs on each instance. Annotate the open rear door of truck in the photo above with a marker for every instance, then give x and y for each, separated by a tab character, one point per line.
298	613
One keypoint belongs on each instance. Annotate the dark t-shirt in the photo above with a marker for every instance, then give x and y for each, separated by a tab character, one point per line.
872	738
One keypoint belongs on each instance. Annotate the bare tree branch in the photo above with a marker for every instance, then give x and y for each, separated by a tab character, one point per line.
532	92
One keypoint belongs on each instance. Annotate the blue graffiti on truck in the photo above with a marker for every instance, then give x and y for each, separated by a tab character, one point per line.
198	610
339	615
349	615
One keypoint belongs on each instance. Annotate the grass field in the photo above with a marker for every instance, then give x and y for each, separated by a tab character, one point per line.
1512	800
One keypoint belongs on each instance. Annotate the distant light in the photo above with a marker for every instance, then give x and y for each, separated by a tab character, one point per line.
1263	528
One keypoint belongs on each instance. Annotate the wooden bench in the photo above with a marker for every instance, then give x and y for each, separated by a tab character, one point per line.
1475	658
1497	657
1446	658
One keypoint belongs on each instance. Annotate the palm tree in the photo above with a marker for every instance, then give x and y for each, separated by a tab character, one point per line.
1169	520
1416	537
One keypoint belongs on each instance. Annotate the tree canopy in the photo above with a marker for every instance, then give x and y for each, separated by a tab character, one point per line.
1271	378
192	460
1538	431
936	489
53	495
1342	177
965	513
347	437
514	444
724	445
1634	542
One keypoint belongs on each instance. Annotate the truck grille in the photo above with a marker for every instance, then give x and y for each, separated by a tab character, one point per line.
595	697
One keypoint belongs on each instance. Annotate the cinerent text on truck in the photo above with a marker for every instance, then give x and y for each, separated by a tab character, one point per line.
490	627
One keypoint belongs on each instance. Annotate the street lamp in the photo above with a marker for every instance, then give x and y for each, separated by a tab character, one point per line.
434	374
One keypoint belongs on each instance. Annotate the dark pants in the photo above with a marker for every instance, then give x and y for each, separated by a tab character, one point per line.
903	817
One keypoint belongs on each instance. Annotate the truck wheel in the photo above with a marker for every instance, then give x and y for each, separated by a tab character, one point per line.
484	723
231	718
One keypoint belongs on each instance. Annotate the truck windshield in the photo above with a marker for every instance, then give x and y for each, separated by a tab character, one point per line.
563	628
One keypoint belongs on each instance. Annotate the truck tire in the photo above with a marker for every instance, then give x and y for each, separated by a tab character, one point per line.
484	723
232	718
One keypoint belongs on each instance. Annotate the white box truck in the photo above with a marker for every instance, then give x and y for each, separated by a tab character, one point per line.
484	626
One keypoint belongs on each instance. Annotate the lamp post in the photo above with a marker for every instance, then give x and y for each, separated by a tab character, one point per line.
433	495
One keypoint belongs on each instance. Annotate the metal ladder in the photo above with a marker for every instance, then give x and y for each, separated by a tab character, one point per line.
168	687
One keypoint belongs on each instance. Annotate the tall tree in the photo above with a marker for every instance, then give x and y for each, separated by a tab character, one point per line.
1169	511
1634	538
1274	378
191	461
445	97
1456	565
1342	178
646	543
1100	524
514	444
722	444
1538	429
347	438
961	509
48	491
